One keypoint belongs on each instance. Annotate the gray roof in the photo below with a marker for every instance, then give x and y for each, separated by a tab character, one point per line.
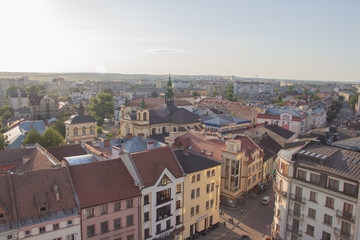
138	144
194	162
76	160
280	131
38	125
176	115
278	111
80	119
221	120
350	143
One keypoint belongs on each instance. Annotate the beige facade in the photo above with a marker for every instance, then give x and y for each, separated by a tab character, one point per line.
201	200
43	107
80	132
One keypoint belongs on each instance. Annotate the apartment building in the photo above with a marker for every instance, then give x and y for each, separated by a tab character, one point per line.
109	200
43	106
317	192
38	205
160	177
201	192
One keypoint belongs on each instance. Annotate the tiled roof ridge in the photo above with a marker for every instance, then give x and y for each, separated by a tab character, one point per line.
47	154
77	200
177	160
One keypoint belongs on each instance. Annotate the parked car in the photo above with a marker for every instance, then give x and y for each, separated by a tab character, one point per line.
266	200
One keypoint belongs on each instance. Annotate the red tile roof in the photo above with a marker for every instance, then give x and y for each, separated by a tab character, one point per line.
151	164
199	143
103	182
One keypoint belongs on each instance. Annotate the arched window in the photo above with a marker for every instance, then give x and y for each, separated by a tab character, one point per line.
122	113
67	131
281	185
154	131
144	116
83	130
164	129
174	129
138	116
76	132
91	130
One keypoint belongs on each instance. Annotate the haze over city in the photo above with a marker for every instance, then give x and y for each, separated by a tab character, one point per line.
309	40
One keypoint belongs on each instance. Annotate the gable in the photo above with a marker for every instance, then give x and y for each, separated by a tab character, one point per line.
165	176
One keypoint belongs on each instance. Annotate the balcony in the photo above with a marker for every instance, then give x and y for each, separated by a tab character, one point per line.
343	235
277	190
298	199
160	218
294	230
296	215
345	215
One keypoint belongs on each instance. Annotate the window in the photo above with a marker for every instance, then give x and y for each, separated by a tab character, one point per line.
211	203
147	233
129	203
197	209
212	172
103	209
158	228
117	223
297	209
146	216
333	184
207	188
312	213
70	237
69	223
349	188
178	204
192	211
208	174
212	187
314	178
55	226
129	220
329	202
90	212
163	212
117	206
198	192
313	196
310	230
91	230
104	227
43	209
168	224
165	180
178	220
163	196
192	193
146	199
178	188
198	177
130	237
27	233
42	230
277	228
298	193
347	210
207	205
325	236
54	238
2	215
9	237
345	228
328	219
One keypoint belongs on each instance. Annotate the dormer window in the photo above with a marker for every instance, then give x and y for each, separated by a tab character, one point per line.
2	215
165	180
43	209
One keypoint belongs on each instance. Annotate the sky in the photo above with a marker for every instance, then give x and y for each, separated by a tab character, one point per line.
307	39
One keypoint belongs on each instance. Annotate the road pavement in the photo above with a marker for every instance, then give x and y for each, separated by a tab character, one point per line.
255	221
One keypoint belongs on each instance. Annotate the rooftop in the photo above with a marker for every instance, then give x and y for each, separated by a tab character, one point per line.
193	162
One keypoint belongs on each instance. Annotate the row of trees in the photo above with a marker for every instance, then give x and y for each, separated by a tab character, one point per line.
333	110
50	138
31	90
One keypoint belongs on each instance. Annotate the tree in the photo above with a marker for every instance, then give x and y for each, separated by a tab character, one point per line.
52	138
154	94
108	90
34	90
101	107
6	116
229	92
99	130
6	108
33	137
12	89
3	141
195	94
59	125
353	100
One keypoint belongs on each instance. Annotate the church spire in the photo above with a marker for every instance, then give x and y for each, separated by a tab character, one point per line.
169	95
81	109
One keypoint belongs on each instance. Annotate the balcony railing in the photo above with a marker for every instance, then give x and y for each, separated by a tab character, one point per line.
343	235
159	218
345	215
294	230
296	214
296	198
277	190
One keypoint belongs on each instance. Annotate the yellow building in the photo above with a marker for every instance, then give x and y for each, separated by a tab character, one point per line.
201	192
80	128
168	118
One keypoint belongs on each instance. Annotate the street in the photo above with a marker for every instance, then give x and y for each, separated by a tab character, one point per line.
254	222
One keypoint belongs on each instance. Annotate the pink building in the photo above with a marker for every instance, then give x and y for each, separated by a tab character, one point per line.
109	200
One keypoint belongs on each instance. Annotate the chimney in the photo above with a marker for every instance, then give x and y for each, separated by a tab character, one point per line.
116	152
150	145
186	151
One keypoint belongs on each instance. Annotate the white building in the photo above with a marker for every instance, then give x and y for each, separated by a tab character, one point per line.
317	192
18	99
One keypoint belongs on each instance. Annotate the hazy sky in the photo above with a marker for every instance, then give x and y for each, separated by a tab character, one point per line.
300	39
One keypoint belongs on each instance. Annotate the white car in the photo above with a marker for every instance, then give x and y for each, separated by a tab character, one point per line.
266	200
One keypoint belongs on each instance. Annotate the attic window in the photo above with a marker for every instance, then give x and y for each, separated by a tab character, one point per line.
43	209
2	215
165	181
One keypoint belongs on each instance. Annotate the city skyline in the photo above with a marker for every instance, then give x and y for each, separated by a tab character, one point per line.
298	40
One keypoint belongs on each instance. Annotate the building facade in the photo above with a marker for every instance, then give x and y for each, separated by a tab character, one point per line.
43	106
317	192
